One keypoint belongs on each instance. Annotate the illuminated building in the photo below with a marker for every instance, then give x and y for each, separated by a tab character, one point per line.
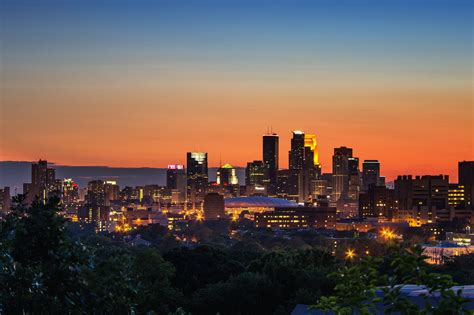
70	191
311	143
95	214
214	207
420	198
289	183
111	190
256	175
297	151
226	175
176	182
303	156
340	172
437	254
297	217
466	179
197	176
270	160
96	193
456	195
370	174
254	204
354	179
378	201
5	200
43	182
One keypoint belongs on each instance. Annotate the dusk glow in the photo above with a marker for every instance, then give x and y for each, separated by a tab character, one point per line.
90	83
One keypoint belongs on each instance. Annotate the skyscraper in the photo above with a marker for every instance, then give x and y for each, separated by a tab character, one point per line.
226	175
466	179
354	179
340	172
370	173
270	160
43	181
197	173
256	175
175	176
297	151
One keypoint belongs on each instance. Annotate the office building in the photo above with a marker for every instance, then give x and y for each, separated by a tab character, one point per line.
456	196
214	207
270	160
176	182
43	182
370	174
377	201
297	152
466	179
289	184
197	177
354	179
5	200
256	175
427	195
70	191
340	172
297	218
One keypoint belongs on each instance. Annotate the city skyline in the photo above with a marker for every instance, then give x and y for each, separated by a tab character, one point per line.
140	85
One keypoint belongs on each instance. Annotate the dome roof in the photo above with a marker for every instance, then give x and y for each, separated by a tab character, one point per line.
257	202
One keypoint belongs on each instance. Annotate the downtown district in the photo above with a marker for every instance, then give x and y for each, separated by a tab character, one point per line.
300	197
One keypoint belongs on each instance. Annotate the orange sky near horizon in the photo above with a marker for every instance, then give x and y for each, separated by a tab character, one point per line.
140	83
410	130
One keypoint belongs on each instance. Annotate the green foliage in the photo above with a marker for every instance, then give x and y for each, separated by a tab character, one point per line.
40	268
247	293
196	268
357	285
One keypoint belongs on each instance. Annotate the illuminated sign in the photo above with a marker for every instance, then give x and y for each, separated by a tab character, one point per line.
176	167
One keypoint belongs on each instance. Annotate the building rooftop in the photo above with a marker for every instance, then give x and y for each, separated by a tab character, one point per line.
257	201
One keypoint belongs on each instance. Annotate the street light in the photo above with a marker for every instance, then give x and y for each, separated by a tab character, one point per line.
350	254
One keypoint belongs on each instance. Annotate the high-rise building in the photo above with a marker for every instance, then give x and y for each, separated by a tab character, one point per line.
70	191
270	160
354	179
456	196
297	151
197	176
289	184
370	174
96	193
466	179
5	200
176	182
340	172
227	180
214	207
111	190
426	194
303	156
378	201
256	175
174	174
227	175
43	182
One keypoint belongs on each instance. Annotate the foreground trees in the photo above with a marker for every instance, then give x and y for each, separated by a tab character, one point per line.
45	268
357	285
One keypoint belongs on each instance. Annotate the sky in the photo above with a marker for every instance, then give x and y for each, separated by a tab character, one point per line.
140	83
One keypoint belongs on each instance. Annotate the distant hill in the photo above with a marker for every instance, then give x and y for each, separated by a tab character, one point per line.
14	174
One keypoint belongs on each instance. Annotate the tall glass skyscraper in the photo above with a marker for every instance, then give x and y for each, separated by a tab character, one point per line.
270	160
197	173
